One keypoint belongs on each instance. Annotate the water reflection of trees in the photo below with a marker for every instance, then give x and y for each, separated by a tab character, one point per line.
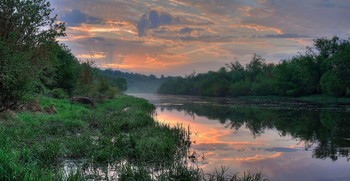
326	132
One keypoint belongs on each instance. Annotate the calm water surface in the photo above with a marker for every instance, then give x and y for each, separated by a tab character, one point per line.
283	140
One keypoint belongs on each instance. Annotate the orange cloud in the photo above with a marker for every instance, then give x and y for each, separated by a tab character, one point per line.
120	28
303	42
140	62
259	28
98	55
92	29
73	38
256	12
202	35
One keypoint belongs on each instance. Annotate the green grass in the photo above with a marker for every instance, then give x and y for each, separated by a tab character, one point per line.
35	146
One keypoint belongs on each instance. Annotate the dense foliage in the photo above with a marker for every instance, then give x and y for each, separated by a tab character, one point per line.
323	69
32	61
25	45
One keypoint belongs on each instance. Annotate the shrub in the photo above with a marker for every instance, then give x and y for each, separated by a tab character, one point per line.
58	93
331	84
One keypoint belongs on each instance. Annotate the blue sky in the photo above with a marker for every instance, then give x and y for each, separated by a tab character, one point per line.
177	37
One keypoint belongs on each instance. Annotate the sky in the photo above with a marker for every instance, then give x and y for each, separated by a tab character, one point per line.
179	37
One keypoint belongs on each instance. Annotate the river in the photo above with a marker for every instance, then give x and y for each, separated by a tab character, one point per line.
282	139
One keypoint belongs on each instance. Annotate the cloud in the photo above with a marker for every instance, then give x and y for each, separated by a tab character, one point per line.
127	54
94	55
208	38
214	7
76	18
313	17
183	35
155	19
285	36
189	30
327	4
119	46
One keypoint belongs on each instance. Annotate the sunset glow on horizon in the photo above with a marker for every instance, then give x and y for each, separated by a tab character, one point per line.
177	37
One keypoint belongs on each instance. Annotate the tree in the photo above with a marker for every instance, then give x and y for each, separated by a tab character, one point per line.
62	75
235	66
327	47
335	81
255	67
66	69
119	82
86	78
324	68
27	34
332	85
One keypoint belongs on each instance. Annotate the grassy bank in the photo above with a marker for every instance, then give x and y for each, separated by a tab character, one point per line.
118	139
35	146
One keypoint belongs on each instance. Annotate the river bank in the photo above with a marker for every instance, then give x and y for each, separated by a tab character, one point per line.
119	139
35	146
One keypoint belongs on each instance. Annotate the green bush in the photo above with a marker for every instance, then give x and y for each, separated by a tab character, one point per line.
58	93
240	88
332	85
264	87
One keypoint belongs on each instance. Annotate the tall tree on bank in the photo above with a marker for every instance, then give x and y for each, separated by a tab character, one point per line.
334	58
28	32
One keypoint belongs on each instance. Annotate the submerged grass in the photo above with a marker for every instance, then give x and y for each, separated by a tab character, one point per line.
119	133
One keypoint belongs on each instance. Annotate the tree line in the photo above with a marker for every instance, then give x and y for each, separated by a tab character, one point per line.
322	69
32	61
138	83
